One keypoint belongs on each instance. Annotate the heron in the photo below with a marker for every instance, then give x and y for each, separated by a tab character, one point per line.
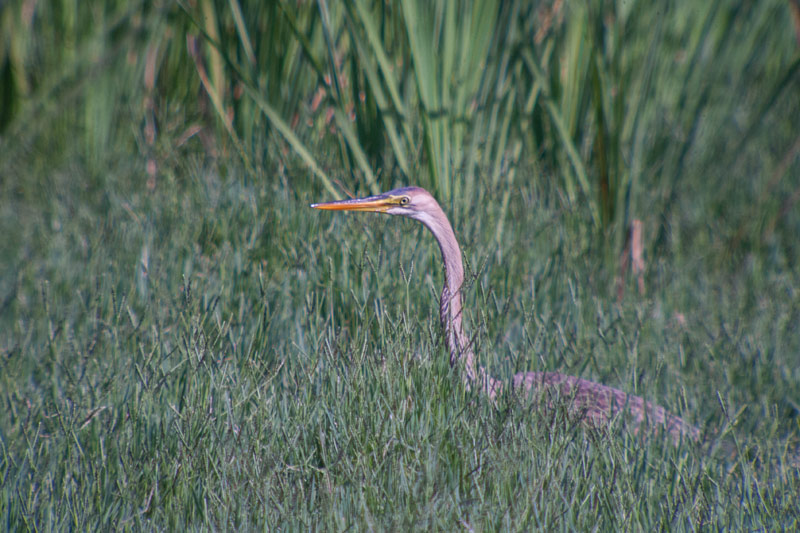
588	401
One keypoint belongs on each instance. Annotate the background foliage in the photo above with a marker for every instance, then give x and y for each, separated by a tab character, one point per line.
183	343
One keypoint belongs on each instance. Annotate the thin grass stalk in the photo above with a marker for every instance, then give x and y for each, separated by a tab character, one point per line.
343	141
241	30
216	100
395	121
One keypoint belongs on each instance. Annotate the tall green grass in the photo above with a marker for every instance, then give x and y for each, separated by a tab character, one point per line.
184	344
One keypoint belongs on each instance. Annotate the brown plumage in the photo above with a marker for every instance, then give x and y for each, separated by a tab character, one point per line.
588	401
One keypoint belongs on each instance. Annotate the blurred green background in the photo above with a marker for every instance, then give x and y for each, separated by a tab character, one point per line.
184	343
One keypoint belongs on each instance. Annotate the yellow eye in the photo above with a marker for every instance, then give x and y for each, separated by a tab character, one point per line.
404	200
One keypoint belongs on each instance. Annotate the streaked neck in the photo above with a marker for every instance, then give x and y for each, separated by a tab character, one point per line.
450	305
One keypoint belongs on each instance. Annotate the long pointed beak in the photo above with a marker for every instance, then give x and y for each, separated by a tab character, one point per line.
377	204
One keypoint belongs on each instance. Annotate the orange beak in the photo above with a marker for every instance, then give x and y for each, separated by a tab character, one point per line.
377	204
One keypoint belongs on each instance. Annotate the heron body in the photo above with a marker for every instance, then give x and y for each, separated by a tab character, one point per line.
592	402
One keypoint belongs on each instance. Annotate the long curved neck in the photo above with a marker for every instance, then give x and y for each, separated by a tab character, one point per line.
450	305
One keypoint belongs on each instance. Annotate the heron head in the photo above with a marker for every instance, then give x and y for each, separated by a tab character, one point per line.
412	202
